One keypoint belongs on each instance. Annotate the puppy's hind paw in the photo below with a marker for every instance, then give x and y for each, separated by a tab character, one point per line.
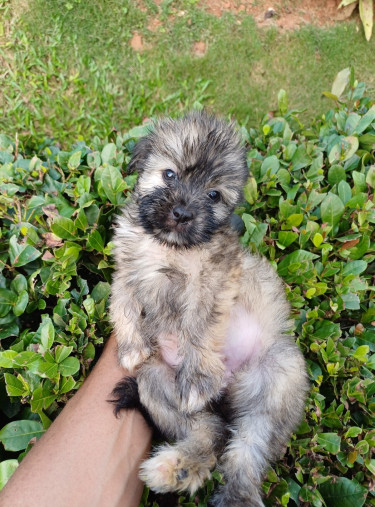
168	470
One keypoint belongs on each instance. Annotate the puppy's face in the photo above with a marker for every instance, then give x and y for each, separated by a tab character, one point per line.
191	174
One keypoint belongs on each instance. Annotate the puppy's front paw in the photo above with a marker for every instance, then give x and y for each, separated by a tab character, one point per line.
131	359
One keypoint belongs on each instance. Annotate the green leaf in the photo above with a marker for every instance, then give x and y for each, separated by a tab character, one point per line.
47	334
69	366
336	173
6	358
342	492
270	164
74	160
332	209
251	191
335	153
26	358
47	370
62	352
108	153
16	435
317	239
301	257
359	181
14	385
42	398
7	301
93	160
286	238
370	177
365	121
371	362
361	353
330	442
351	301
344	190
81	220
112	183
83	184
7	469
350	146
354	268
21	254
95	241
294	220
300	159
282	99
67	384
354	431
100	291
19	284
21	303
64	228
89	352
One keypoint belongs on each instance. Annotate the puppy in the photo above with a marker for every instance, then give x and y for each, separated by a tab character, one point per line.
200	321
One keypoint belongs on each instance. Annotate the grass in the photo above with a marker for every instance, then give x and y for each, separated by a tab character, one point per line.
68	71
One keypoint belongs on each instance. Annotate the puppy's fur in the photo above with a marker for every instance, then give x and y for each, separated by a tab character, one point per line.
200	321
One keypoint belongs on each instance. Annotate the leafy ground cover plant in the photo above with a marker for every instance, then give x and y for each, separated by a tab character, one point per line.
309	208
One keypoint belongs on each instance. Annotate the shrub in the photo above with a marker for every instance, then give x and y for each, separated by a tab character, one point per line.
309	208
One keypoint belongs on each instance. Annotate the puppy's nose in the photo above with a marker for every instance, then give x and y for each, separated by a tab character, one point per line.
182	215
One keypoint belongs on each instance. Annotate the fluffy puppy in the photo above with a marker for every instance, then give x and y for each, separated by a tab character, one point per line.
201	322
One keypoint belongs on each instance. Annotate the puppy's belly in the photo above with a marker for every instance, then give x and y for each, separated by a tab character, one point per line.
243	341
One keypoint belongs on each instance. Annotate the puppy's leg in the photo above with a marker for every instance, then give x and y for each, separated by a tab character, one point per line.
185	465
200	375
267	401
125	313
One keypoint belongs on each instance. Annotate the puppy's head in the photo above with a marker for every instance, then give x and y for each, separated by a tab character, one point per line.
191	174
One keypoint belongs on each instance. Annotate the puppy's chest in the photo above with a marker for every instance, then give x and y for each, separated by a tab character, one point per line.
172	281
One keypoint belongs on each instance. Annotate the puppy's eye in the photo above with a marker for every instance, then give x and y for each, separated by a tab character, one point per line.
169	175
214	195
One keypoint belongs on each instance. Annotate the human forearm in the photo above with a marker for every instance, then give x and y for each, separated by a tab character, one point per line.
87	457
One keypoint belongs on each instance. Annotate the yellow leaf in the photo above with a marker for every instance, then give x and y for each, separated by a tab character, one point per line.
344	3
366	13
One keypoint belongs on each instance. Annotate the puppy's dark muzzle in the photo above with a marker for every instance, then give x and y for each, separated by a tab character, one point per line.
181	215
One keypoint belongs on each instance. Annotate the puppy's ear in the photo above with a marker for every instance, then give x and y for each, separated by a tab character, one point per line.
140	154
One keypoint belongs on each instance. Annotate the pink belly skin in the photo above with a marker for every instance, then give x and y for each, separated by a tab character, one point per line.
243	341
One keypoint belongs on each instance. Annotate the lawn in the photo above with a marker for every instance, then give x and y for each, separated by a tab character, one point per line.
69	70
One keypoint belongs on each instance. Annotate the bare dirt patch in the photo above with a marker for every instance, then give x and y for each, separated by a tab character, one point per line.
283	14
199	49
136	42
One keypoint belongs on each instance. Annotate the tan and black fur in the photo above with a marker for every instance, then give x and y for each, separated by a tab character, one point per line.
201	322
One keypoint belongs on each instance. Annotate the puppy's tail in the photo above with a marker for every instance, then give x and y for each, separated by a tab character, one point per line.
126	396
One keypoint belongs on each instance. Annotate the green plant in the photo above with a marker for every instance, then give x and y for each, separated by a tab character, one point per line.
366	8
309	207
